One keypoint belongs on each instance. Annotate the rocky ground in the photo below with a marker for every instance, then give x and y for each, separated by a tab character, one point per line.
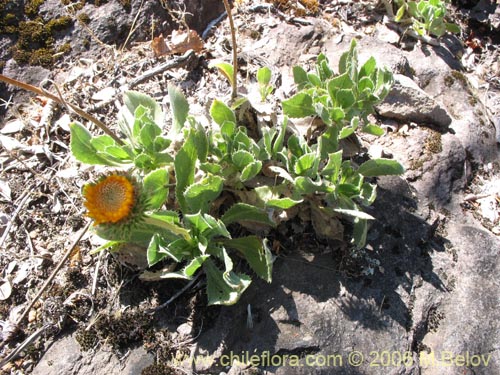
424	290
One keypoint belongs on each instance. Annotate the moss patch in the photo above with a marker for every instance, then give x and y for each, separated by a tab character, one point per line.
433	142
36	41
32	7
120	330
433	145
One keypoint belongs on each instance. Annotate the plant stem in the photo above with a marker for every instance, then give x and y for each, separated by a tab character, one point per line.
54	273
168	226
234	91
59	100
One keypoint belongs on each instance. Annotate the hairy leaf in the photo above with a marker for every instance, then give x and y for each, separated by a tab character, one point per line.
380	167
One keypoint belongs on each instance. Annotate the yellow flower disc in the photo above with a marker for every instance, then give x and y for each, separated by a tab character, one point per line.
110	200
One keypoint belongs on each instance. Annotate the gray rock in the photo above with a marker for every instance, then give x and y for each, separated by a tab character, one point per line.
65	357
466	321
444	81
408	102
385	54
112	22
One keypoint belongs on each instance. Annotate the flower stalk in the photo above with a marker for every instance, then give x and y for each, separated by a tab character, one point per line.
234	91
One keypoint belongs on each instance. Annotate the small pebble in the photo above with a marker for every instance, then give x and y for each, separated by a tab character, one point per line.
32	316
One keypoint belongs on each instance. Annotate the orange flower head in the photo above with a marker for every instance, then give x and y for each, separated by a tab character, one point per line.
109	200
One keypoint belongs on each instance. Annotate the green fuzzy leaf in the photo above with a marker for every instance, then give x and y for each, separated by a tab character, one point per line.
332	168
216	228
221	113
242	212
226	69
148	134
345	98
256	253
81	146
307	164
300	77
153	254
283	203
242	158
314	79
161	143
348	190
329	141
144	162
155	188
109	149
367	84
360	232
306	186
179	107
201	143
368	193
373	129
337	114
299	105
348	62
324	70
380	167
211	168
251	170
190	269
200	194
354	213
228	129
278	142
264	76
368	68
341	82
167	224
452	28
346	132
400	13
134	99
101	142
224	288
184	165
107	245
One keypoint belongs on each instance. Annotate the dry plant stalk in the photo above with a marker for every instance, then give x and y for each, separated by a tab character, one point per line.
60	100
235	52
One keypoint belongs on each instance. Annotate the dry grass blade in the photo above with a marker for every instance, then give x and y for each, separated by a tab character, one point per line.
59	100
51	277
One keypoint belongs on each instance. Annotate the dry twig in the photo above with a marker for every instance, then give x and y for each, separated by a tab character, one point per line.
61	101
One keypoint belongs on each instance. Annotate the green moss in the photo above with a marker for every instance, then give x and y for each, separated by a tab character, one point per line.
433	143
74	5
36	41
58	24
83	18
449	80
86	338
21	56
65	48
125	4
32	8
455	76
42	56
121	331
416	164
159	369
459	76
33	35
